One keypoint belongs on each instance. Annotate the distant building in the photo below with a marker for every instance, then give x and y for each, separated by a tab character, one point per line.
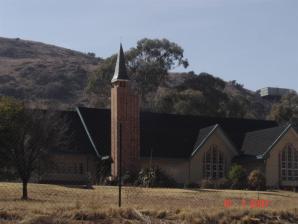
274	93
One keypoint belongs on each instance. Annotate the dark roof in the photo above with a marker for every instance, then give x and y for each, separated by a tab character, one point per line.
162	135
204	133
120	69
174	136
77	141
240	159
98	126
258	142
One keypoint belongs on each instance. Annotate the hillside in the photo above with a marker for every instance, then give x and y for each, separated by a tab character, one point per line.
42	73
232	97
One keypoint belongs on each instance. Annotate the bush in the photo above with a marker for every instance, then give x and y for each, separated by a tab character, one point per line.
207	183
154	177
130	178
191	185
257	180
91	54
146	177
8	174
110	181
222	183
238	177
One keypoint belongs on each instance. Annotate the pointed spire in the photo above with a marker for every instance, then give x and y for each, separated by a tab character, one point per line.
120	69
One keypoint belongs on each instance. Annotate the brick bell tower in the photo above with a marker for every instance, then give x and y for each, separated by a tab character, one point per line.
125	112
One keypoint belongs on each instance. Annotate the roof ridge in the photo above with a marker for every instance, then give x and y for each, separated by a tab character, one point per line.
264	129
87	132
285	129
205	138
209	117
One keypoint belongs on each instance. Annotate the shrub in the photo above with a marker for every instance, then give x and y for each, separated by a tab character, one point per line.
130	178
207	183
111	181
8	174
238	177
191	185
154	177
257	180
91	54
221	183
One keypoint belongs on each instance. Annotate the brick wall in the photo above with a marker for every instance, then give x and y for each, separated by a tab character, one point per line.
125	110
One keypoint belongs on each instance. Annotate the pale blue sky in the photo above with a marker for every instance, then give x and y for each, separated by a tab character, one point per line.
252	41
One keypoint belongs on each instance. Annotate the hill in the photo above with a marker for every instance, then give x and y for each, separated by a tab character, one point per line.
42	73
206	94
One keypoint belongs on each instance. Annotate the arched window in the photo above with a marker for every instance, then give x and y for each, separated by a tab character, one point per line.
213	163
289	163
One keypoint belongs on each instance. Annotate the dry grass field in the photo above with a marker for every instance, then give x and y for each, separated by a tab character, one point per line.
59	204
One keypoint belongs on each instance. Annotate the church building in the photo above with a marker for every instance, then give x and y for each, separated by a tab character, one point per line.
186	148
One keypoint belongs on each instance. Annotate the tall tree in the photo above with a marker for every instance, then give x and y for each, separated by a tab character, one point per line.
238	106
26	136
150	62
286	110
148	65
214	99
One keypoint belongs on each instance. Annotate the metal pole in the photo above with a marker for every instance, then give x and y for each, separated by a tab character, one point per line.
120	164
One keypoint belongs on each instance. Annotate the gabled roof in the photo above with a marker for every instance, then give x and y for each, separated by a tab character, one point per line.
77	140
258	143
161	135
97	125
120	69
206	133
203	135
87	132
174	136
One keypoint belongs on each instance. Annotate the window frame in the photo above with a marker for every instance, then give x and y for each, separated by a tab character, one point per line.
288	163
214	163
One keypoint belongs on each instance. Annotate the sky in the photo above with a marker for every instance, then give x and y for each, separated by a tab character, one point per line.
252	41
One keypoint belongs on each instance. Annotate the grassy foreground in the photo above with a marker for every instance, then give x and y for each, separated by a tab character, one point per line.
58	204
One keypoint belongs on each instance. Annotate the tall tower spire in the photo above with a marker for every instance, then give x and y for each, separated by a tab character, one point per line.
120	69
125	112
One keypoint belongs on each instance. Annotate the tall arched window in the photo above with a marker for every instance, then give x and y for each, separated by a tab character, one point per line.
213	163
289	163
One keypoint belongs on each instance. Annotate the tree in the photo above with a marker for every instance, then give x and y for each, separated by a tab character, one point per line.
286	110
257	180
154	177
100	82
237	175
148	65
238	106
213	99
151	60
26	136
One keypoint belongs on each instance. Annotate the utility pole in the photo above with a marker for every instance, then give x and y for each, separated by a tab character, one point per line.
120	164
